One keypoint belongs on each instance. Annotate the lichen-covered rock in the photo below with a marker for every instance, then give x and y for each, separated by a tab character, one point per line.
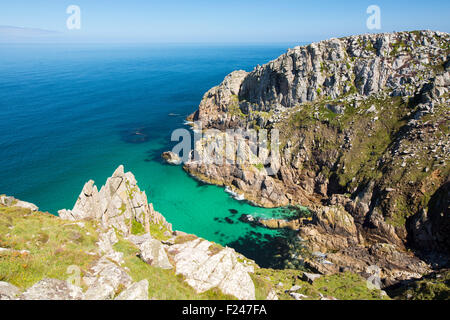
117	204
13	202
366	63
105	245
104	279
87	205
139	240
310	277
153	253
8	291
204	270
137	291
297	296
171	158
220	99
53	289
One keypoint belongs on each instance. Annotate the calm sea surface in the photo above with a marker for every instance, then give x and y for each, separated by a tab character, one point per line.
68	113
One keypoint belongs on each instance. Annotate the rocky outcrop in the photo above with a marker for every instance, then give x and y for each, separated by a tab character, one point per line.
109	273
310	277
153	253
431	226
13	202
118	203
105	246
204	270
337	74
339	245
171	158
363	64
279	223
363	142
104	279
219	100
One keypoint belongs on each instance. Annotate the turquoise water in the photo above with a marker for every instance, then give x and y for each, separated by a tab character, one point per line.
68	113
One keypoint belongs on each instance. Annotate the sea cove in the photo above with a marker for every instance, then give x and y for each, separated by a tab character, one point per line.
73	113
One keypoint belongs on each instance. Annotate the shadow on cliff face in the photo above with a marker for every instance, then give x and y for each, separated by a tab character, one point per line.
270	251
429	229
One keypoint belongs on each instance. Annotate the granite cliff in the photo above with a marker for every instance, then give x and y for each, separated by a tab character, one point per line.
364	143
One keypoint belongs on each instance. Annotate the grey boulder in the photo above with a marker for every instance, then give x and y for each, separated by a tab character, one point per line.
53	289
137	291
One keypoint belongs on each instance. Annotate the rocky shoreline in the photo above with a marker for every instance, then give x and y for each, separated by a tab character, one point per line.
114	245
363	123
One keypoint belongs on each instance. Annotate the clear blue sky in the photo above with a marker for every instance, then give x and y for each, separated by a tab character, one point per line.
223	21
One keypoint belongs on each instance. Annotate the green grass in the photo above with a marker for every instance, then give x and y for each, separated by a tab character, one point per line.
185	238
433	287
234	109
157	231
346	286
342	286
137	228
259	166
54	245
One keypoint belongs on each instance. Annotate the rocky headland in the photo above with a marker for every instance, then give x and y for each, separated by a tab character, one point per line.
364	143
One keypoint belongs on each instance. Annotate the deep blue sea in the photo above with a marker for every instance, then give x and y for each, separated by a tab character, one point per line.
69	113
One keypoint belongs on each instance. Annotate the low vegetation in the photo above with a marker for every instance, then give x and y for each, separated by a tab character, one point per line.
42	246
344	286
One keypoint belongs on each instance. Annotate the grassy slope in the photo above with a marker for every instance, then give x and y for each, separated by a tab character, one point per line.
432	287
345	286
55	244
